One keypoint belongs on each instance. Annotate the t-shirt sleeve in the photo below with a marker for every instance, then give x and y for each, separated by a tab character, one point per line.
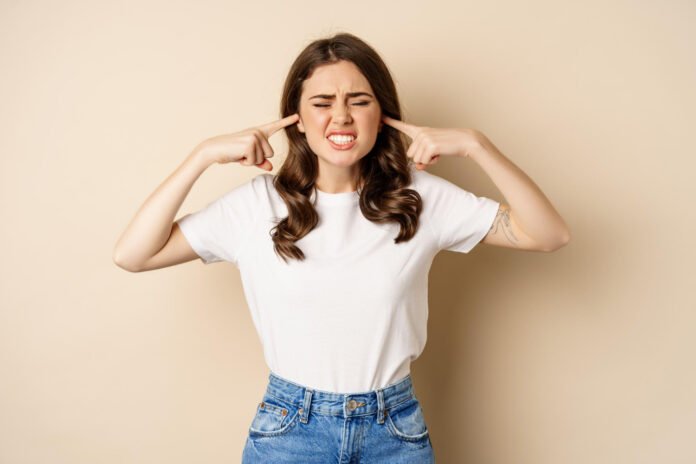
219	231
459	219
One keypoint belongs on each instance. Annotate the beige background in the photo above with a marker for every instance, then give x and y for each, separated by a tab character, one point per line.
585	355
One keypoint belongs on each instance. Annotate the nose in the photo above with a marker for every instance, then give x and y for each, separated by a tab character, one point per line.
342	113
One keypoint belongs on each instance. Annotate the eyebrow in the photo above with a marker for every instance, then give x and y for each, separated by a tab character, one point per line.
350	94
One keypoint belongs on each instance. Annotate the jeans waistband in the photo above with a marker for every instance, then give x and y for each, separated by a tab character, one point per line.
340	404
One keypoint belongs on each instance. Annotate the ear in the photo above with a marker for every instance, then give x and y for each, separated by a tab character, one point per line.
300	126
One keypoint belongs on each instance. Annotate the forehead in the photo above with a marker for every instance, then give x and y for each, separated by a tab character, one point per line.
339	77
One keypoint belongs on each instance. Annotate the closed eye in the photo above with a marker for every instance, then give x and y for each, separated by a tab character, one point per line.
363	103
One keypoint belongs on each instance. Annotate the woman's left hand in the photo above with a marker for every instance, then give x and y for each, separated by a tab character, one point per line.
429	143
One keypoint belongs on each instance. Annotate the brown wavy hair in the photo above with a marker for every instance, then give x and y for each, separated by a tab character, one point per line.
383	173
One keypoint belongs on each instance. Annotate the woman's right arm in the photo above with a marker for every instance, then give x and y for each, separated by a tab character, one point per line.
153	225
153	240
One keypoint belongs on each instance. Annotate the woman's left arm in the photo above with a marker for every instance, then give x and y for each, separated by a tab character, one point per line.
529	221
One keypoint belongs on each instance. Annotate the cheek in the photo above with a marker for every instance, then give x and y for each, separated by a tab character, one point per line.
372	126
314	126
375	118
314	119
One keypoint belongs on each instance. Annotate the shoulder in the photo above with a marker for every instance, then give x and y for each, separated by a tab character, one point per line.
427	183
264	188
261	181
255	188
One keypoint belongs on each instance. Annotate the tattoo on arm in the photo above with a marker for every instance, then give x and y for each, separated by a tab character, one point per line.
503	221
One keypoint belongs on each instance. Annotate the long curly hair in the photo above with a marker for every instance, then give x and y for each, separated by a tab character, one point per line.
383	173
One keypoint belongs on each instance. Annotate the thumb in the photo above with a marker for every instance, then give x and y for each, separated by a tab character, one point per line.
266	165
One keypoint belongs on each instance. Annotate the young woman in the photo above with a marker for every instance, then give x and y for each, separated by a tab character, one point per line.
334	252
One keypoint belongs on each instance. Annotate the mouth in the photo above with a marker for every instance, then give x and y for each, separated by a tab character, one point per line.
342	140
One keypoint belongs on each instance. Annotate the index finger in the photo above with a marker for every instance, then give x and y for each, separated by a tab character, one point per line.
272	127
408	129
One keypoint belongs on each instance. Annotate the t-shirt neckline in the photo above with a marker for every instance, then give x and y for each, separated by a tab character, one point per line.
342	198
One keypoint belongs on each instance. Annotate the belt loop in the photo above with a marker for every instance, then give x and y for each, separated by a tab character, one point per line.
380	406
304	410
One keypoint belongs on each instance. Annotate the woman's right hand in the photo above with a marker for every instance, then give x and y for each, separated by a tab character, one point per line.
249	147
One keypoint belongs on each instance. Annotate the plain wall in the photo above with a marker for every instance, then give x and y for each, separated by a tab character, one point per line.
584	355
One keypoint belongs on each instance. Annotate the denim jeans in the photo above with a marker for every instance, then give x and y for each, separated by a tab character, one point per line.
297	424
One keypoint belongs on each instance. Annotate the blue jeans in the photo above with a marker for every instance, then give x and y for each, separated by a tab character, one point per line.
297	424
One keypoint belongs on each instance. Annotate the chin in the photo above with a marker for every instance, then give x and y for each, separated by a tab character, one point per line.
341	161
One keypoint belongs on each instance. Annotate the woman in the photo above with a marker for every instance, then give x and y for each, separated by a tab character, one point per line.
334	252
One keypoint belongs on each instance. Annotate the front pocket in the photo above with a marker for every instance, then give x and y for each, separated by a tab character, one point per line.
406	422
273	417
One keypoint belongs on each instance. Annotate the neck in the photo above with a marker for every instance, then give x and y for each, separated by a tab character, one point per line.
337	179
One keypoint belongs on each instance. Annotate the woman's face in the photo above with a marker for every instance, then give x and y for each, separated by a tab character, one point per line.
338	97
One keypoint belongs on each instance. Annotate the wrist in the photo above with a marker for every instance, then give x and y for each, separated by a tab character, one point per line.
471	143
479	147
200	156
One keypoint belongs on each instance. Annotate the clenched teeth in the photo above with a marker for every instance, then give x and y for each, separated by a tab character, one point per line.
341	139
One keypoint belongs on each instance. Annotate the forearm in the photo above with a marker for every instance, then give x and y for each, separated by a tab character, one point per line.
531	210
151	226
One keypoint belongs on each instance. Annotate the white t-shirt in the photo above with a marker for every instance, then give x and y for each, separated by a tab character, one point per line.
353	315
